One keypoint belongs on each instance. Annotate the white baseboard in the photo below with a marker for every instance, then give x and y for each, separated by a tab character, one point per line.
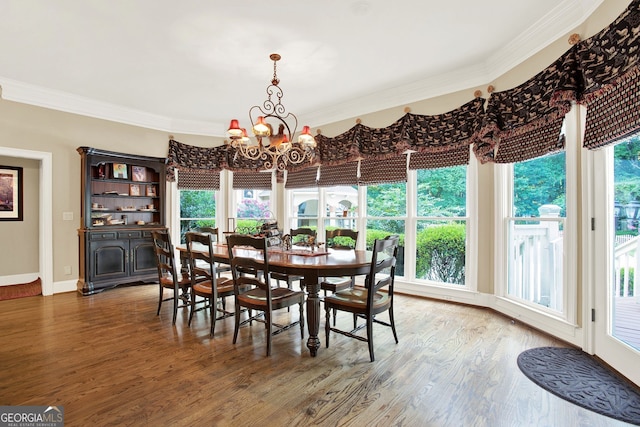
65	286
18	279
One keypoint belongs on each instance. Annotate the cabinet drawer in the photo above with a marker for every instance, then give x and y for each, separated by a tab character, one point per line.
102	236
129	234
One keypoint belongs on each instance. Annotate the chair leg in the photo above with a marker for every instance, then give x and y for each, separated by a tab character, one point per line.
212	310
370	337
301	320
160	300
175	305
237	326
393	323
193	307
268	325
327	325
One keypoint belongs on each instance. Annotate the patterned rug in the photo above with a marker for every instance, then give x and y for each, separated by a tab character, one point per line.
581	379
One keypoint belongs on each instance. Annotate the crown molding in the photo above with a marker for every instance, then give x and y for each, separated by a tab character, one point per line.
558	22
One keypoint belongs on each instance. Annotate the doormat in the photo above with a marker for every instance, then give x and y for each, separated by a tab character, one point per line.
581	379
22	290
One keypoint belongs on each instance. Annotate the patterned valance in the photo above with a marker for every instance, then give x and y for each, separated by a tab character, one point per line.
446	132
344	174
188	157
526	117
373	171
422	133
609	62
252	180
615	116
304	178
442	159
198	179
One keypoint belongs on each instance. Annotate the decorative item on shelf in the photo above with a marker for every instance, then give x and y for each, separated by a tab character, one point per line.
140	222
120	171
151	191
276	150
134	190
138	173
102	170
127	208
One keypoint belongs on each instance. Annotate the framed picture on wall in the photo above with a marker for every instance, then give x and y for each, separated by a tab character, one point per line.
138	173
11	193
120	171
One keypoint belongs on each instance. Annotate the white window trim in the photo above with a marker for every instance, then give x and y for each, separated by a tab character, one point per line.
562	325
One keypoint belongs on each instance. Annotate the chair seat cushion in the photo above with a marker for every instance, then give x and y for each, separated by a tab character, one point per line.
223	284
167	281
278	295
356	297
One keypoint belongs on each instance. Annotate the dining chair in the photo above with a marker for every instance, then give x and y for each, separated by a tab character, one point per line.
256	292
339	239
299	237
169	277
215	236
371	299
205	282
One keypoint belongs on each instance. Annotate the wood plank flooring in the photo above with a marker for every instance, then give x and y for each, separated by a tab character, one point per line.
109	360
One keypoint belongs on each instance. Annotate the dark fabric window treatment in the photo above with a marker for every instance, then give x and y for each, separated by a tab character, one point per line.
445	132
345	174
383	171
188	157
615	116
531	143
252	180
526	117
441	159
610	65
304	178
518	124
198	179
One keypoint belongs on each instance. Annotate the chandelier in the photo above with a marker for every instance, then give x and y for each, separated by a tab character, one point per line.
273	128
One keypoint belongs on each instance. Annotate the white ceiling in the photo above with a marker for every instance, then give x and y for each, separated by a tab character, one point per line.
189	66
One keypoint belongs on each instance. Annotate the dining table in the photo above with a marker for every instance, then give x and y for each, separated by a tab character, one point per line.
312	266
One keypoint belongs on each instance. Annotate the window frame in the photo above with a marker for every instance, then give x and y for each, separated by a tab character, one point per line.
563	323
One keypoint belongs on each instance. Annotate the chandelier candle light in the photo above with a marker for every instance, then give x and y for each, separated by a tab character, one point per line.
275	149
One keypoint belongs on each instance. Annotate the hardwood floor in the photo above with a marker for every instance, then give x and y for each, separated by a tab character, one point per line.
109	360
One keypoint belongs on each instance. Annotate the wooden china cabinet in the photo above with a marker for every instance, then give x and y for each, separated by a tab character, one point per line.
123	201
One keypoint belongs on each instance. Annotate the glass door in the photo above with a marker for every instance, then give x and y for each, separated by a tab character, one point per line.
616	255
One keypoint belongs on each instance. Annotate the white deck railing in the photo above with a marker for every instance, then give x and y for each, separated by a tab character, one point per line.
536	263
626	257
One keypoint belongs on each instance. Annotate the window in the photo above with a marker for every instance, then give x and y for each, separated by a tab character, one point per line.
304	205
341	207
441	243
536	232
252	207
252	195
386	214
197	209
